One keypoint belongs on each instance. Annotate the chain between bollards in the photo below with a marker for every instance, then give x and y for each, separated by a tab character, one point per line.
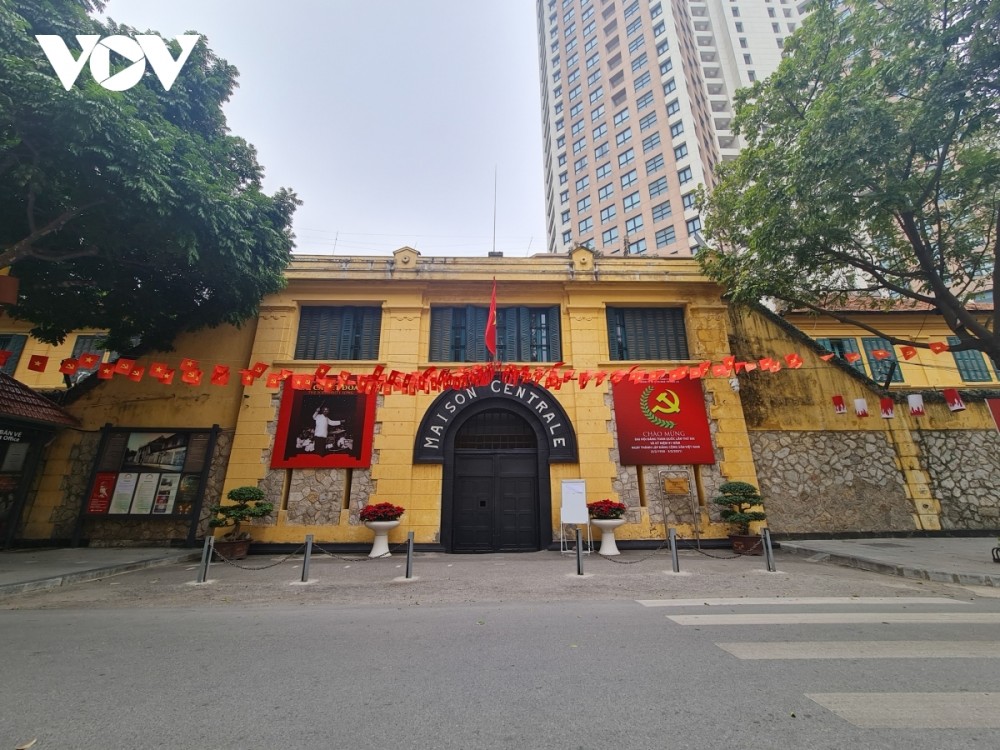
206	558
409	554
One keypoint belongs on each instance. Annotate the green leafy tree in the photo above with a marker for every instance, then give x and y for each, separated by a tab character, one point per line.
136	211
872	168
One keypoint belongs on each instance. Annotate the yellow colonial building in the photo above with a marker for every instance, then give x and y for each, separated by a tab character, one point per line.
367	380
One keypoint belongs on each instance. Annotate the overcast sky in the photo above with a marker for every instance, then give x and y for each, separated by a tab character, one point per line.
389	118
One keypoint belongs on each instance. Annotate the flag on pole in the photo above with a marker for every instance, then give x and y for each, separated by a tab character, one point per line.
491	323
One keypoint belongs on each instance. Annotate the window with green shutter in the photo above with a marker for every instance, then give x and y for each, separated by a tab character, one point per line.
970	363
842	347
646	333
880	367
343	332
13	343
524	334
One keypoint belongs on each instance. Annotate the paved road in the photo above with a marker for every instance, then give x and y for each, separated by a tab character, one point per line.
504	652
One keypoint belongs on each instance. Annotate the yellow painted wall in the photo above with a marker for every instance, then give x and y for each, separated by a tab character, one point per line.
406	287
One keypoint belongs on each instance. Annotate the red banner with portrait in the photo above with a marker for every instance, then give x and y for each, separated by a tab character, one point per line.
324	429
662	423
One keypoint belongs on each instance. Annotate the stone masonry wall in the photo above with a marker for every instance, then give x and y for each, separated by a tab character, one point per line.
964	468
826	482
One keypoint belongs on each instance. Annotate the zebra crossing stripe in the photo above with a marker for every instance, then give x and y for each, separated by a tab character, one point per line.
822	618
798	601
865	650
914	710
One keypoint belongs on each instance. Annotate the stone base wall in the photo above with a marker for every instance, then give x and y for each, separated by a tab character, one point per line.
827	482
964	469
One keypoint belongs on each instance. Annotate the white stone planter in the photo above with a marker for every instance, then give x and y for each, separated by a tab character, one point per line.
607	526
381	528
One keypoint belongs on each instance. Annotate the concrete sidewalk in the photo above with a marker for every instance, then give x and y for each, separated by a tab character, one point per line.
38	569
962	560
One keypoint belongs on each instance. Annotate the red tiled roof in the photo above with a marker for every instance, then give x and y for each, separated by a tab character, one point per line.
18	401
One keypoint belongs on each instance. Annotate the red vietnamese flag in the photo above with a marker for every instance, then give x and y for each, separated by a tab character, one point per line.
157	370
188	364
4	356
827	357
852	357
166	377
247	377
880	354
937	347
491	324
37	363
105	371
793	360
89	360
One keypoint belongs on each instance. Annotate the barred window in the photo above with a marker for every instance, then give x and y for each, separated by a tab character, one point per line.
524	334
343	332
655	333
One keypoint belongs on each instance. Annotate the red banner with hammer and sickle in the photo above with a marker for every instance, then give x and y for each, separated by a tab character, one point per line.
662	423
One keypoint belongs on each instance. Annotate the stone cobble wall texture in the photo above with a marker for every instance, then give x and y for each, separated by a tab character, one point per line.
826	482
964	468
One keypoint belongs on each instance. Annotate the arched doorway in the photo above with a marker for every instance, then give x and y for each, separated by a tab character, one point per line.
495	497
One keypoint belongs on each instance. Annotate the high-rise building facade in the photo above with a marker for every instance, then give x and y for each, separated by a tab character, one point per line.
636	110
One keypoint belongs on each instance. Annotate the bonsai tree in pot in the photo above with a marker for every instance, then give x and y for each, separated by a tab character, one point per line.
738	500
248	503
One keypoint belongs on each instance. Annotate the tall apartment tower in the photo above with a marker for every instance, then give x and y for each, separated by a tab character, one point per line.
636	108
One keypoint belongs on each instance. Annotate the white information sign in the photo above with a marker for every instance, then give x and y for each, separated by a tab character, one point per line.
574	501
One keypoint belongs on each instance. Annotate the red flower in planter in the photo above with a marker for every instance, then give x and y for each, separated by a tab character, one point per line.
381	512
606	509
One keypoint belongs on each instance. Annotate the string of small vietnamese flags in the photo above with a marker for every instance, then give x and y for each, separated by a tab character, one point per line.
432	378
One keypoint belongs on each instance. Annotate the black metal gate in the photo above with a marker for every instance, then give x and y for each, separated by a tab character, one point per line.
495	496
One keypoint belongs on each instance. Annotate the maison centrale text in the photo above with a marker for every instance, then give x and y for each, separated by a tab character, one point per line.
542	406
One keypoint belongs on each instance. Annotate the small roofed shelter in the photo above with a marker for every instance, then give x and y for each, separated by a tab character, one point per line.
28	420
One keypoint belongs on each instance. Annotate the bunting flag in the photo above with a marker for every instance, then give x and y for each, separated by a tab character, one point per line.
69	366
887	407
124	366
188	364
4	356
852	357
247	377
220	375
259	369
953	399
908	352
89	360
839	406
793	360
106	371
157	370
136	373
881	354
38	363
827	357
938	346
191	377
916	404
491	324
167	378
861	407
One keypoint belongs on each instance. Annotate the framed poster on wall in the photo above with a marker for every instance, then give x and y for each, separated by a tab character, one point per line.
147	472
324	429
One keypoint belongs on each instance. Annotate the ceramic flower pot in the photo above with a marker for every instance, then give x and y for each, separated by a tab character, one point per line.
607	526
381	528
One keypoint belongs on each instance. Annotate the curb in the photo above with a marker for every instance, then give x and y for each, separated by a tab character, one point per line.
903	571
54	582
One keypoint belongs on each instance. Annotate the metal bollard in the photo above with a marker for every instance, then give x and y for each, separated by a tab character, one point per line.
579	553
673	550
409	554
768	552
305	558
206	558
